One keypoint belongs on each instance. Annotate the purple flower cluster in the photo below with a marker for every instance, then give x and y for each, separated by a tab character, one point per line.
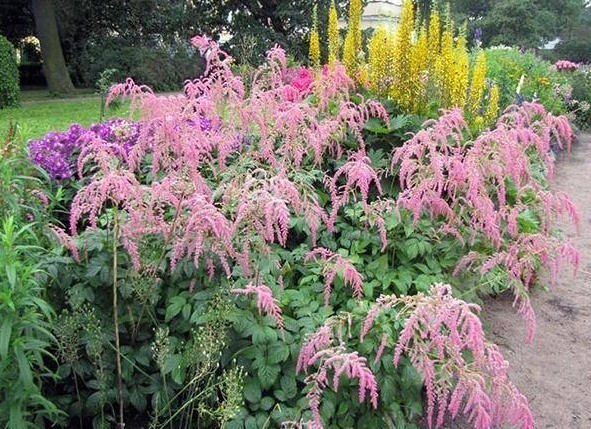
56	151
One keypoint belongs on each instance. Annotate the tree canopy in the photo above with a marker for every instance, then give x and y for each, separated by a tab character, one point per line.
519	22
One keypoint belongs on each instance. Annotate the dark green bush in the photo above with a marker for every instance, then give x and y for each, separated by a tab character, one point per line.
9	89
577	50
581	98
160	66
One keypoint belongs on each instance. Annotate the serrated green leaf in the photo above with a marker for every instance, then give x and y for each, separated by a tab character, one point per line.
278	352
268	374
175	307
172	362
252	390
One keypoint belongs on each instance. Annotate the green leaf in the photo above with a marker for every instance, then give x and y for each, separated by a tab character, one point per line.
268	374
5	333
172	362
24	368
411	248
264	335
11	274
251	423
278	352
289	386
252	390
281	395
376	125
138	400
175	307
267	403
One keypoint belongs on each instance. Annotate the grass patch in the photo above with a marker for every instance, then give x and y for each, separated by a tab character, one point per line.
43	94
35	119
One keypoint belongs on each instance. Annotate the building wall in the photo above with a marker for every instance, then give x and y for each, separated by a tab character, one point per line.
381	13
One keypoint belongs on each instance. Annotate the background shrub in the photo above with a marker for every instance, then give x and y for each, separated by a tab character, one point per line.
578	50
161	66
581	97
9	89
506	66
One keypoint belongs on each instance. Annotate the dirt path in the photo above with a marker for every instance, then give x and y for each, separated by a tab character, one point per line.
555	371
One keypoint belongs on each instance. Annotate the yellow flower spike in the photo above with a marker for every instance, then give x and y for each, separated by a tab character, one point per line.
434	38
314	52
477	86
352	46
461	72
418	70
492	110
401	90
445	65
333	34
380	61
362	76
478	123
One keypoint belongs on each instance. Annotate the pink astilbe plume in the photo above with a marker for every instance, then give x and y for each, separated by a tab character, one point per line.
203	229
334	263
67	241
521	262
431	165
264	206
319	350
483	189
266	303
358	173
462	372
119	187
336	362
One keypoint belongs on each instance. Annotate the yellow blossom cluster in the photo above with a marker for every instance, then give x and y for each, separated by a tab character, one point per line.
353	38
334	44
421	64
314	52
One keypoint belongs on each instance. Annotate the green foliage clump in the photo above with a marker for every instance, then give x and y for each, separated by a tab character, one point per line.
26	360
541	81
580	103
577	50
162	67
9	80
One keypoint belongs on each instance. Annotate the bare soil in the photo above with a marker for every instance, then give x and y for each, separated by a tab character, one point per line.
554	372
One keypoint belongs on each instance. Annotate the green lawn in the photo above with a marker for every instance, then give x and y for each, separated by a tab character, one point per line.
42	114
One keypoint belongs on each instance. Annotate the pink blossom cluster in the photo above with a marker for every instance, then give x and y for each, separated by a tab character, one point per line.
333	361
480	189
462	372
566	65
334	264
247	207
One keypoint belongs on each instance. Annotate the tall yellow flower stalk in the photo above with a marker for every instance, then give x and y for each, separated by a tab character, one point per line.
492	110
314	52
333	34
352	47
445	65
461	72
477	86
380	49
434	38
401	90
418	71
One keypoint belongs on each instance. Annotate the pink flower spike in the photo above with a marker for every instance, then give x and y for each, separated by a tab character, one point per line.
333	264
266	303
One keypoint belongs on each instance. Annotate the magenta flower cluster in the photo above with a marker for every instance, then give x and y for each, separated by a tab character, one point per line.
56	152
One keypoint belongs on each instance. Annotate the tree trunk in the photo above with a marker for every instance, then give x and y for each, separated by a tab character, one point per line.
54	64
